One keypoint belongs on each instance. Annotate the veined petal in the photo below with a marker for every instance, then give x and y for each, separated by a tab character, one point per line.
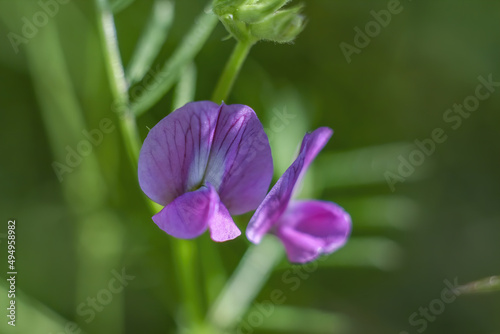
240	166
311	228
276	201
190	214
175	153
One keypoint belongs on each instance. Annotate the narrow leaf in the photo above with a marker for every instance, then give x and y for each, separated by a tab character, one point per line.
182	56
186	87
151	41
119	5
286	319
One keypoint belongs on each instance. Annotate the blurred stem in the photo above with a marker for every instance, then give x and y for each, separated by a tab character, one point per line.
231	71
485	285
245	283
116	74
185	261
84	187
215	275
184	250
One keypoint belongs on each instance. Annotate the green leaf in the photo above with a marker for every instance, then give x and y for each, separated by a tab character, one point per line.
170	72
151	41
366	252
119	5
186	87
288	319
382	212
41	318
363	166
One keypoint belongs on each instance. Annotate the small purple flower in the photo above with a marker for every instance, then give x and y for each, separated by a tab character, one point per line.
205	162
308	228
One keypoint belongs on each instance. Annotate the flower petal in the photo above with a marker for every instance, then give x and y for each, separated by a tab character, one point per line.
313	143
189	215
311	228
276	202
240	165
222	226
175	153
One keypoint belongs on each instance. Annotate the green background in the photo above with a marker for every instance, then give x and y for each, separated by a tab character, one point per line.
441	224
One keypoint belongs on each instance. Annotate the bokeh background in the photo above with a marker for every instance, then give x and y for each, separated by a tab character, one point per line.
441	224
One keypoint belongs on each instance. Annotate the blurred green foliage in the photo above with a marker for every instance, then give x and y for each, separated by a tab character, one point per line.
441	224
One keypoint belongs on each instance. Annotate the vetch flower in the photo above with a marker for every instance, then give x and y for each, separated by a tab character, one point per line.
205	162
307	228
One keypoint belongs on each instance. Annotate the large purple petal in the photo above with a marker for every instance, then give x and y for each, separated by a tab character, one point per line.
276	202
311	228
240	165
175	153
190	214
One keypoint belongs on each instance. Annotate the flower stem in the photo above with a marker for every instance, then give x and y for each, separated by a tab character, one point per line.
190	290
119	85
184	251
231	71
244	285
85	190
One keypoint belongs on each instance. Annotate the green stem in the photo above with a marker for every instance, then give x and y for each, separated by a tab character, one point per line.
186	264
85	189
244	285
489	284
231	71
184	253
119	85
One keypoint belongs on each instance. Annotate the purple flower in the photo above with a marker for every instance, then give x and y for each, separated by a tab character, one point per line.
309	228
205	162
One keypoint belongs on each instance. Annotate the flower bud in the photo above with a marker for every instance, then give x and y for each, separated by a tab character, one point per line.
282	27
222	7
253	20
238	29
257	11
